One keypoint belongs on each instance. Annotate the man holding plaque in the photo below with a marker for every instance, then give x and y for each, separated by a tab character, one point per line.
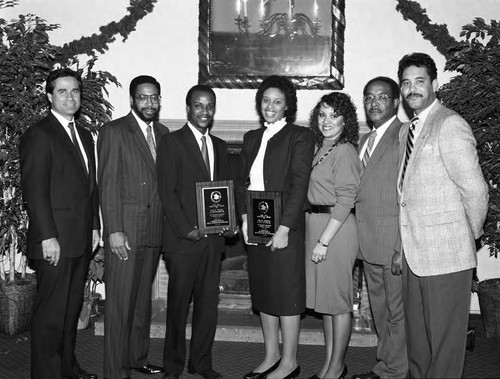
186	157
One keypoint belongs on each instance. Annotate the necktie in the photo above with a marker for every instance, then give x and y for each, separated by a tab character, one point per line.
204	153
151	142
71	127
368	151
409	146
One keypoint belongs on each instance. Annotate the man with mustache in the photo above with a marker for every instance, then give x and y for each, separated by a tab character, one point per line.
443	200
378	231
133	221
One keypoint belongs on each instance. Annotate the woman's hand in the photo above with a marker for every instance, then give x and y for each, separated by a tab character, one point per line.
244	229
280	238
319	253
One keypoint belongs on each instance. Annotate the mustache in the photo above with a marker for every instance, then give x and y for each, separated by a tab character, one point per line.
413	94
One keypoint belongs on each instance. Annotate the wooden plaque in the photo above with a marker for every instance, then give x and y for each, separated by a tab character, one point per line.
263	215
215	206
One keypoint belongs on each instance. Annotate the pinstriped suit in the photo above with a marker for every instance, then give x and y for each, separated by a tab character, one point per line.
378	233
130	204
443	203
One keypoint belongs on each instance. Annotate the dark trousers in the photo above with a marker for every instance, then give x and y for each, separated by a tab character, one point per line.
192	274
55	315
386	299
436	314
128	310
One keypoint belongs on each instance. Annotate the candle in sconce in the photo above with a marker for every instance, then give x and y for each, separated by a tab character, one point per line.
262	10
245	14
315	10
238	8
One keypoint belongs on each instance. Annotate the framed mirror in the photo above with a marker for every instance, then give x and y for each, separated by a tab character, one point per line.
243	41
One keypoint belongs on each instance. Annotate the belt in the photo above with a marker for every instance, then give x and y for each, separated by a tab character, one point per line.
321	209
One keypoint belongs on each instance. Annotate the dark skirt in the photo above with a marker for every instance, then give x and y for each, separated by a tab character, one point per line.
277	279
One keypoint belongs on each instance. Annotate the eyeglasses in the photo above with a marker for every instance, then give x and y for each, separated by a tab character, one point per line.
381	99
144	98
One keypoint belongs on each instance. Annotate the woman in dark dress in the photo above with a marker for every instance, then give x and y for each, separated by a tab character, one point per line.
277	157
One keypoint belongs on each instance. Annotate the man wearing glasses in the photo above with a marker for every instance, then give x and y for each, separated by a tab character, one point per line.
377	217
132	216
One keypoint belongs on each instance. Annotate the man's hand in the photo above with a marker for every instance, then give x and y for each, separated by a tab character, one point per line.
195	235
96	238
319	253
118	242
397	263
280	238
51	251
229	233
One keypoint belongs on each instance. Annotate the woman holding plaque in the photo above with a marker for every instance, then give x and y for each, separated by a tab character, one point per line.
277	157
331	239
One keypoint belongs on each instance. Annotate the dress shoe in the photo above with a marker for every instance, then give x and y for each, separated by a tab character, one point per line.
315	376
207	374
82	374
293	374
368	375
149	369
263	374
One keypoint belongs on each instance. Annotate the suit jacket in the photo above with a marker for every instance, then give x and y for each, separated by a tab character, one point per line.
180	166
444	198
127	182
287	167
61	198
377	210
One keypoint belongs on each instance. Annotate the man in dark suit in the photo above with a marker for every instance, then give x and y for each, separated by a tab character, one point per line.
378	232
59	190
193	259
132	217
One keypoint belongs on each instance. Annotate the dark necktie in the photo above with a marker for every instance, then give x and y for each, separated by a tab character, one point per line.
409	146
369	148
71	127
151	142
204	153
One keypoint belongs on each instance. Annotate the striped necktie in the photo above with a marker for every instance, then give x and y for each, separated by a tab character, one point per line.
409	146
204	153
150	141
369	148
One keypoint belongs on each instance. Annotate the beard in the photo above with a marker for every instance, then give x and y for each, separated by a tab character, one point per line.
145	113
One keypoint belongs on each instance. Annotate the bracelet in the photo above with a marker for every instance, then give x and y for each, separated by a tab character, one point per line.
322	243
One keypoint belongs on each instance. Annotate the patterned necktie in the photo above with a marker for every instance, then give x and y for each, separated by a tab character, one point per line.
71	127
409	146
204	153
151	142
369	148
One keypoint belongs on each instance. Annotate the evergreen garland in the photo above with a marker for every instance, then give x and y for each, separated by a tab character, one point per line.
436	34
99	43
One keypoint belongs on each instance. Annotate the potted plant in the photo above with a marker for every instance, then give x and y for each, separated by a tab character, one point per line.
26	58
95	276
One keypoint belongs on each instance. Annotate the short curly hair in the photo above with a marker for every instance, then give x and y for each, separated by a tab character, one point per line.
286	87
342	104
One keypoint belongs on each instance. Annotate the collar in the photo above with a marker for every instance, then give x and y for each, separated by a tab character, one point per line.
62	120
142	124
382	128
197	133
422	116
